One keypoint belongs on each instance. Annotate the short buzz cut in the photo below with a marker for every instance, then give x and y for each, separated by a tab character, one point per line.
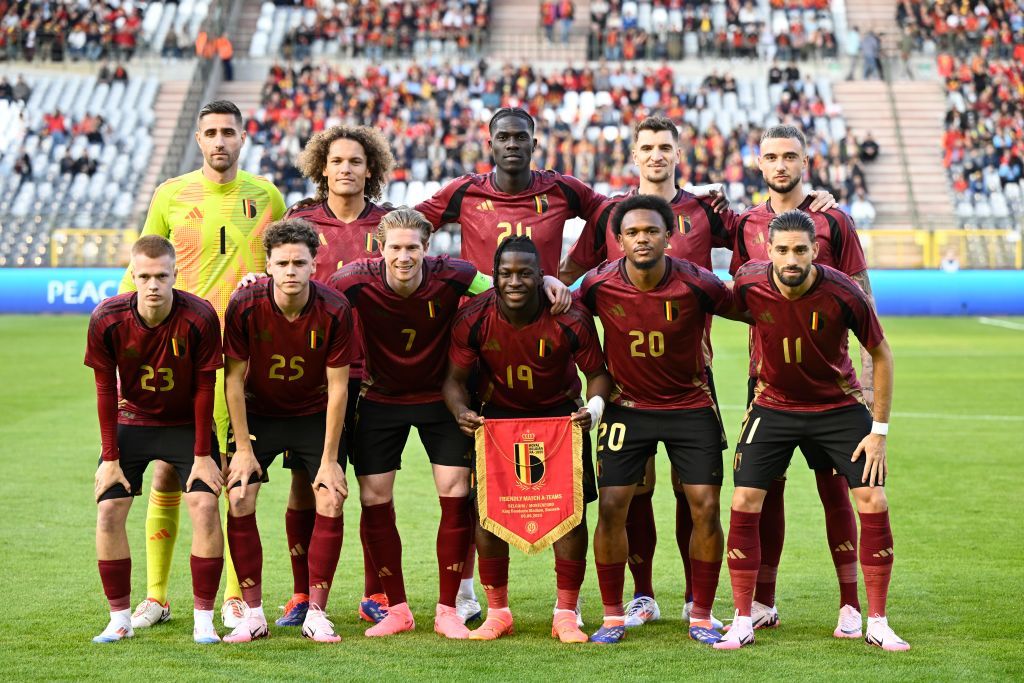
513	112
656	124
643	202
291	231
219	107
405	218
153	246
793	220
784	132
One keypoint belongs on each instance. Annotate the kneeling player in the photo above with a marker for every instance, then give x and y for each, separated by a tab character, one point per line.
653	309
807	395
164	347
528	358
288	347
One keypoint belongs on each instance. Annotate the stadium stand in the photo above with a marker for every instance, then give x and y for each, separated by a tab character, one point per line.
994	27
666	29
435	119
375	30
73	30
74	154
983	146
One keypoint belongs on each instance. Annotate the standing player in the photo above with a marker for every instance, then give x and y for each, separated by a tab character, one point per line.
807	395
215	218
163	346
350	167
406	302
522	377
287	343
512	200
653	310
783	160
700	226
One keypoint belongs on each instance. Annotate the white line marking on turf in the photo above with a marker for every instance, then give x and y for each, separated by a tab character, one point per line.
934	416
1005	324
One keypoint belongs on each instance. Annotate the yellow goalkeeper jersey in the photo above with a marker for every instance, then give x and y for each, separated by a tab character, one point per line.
216	230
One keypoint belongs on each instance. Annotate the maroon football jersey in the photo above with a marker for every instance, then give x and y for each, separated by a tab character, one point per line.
157	367
838	244
288	360
805	362
653	340
529	368
342	243
405	338
488	215
697	231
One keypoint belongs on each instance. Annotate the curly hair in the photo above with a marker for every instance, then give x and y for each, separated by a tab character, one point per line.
379	159
291	231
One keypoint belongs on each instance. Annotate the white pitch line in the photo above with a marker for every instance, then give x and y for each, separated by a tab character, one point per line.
1005	324
934	416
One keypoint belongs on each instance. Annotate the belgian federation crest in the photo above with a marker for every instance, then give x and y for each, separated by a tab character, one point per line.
529	456
248	208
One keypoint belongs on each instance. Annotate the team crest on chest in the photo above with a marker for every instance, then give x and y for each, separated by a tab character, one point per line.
683	224
671	310
541	203
544	347
316	338
178	346
371	243
817	321
248	208
433	306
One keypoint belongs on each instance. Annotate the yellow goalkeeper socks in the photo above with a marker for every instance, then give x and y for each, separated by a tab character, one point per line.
231	587
161	532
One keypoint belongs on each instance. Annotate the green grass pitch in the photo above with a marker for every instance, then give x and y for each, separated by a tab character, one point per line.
956	473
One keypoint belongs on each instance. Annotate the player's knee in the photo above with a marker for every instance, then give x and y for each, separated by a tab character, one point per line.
241	507
203	507
454	484
165	478
329	503
871	499
111	515
747	499
613	506
705	510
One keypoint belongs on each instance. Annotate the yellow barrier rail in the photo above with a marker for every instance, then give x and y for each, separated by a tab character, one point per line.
78	247
975	249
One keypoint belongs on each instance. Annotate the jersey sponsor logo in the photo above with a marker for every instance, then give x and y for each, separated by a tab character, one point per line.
671	310
485	205
618	311
541	203
195	214
249	208
264	336
759	238
492	345
766	317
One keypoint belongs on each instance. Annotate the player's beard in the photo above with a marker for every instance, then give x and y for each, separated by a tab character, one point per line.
648	264
221	164
793	280
783	189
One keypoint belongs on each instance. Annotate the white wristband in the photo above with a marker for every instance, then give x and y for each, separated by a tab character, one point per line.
596	408
881	428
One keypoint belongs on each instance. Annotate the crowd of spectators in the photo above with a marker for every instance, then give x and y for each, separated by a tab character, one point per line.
964	27
378	29
435	119
983	144
560	14
62	30
672	29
